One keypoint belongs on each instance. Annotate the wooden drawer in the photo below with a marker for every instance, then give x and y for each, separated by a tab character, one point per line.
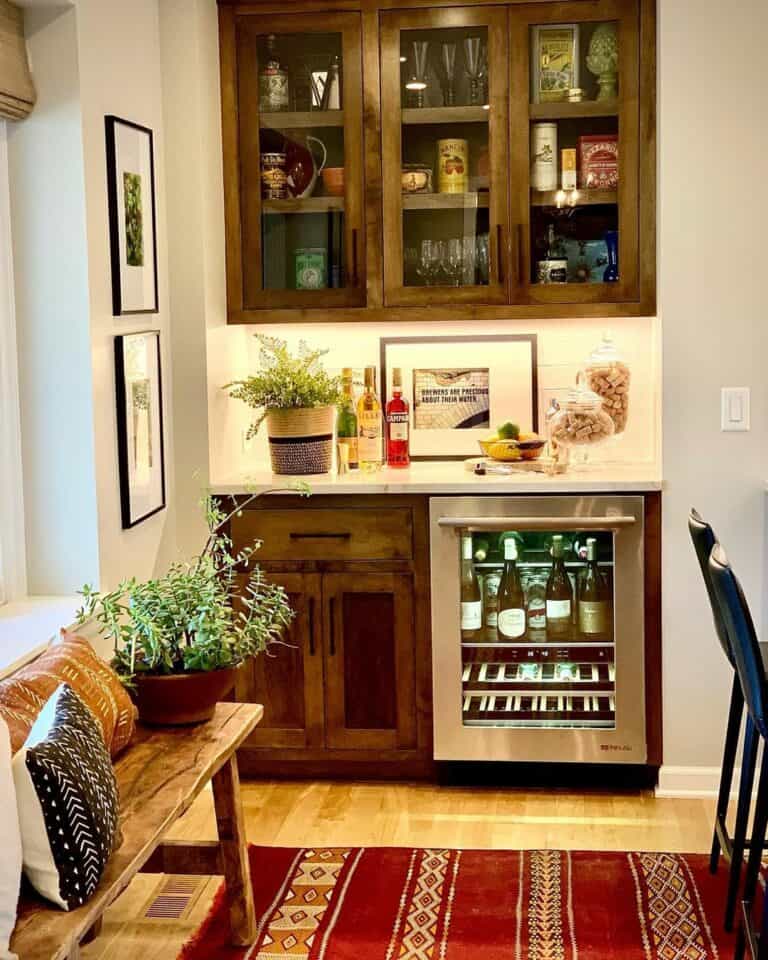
352	533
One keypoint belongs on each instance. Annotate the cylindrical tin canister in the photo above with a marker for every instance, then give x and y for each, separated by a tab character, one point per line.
544	156
452	166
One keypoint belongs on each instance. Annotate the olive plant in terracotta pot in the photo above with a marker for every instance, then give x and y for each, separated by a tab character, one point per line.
180	639
297	398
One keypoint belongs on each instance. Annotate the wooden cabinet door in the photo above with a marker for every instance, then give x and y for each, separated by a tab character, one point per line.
369	661
584	100
293	154
288	680
444	84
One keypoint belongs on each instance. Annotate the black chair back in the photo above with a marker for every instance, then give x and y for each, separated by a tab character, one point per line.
704	539
742	637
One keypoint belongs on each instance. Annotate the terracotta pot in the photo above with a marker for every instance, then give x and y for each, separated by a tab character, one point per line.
181	698
301	440
333	181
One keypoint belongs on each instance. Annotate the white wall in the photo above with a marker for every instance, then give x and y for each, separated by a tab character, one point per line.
713	208
100	57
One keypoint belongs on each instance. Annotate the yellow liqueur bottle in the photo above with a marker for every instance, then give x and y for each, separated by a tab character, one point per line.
369	425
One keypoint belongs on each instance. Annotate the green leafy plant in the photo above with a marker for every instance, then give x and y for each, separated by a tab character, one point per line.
195	618
286	381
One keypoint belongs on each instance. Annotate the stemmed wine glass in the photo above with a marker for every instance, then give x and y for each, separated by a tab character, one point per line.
448	64
455	262
474	66
428	262
417	83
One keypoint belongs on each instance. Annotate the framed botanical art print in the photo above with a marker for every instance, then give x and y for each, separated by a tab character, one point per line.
140	446
132	224
460	389
554	61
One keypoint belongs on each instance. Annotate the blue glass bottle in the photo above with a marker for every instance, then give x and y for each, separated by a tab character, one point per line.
611	274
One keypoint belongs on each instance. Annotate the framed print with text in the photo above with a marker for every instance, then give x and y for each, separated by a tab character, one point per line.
460	389
132	223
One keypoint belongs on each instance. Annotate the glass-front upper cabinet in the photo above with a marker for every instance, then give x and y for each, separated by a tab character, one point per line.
299	96
444	77
574	142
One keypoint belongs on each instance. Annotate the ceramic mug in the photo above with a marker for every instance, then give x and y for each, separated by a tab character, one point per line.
333	181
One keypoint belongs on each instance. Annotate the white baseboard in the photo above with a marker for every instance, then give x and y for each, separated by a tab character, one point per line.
691	782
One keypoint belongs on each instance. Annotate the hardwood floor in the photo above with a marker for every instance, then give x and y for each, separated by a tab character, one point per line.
374	814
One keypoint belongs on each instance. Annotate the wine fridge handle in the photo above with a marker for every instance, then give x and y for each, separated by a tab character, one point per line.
355	273
537	523
500	252
311	626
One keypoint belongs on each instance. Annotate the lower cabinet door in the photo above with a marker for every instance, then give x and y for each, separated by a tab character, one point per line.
288	680
369	661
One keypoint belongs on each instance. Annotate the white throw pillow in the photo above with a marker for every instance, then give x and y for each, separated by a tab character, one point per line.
67	801
10	845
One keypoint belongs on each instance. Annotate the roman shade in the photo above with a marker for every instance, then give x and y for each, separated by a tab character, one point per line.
17	92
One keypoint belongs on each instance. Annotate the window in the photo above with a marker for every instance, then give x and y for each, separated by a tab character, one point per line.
12	559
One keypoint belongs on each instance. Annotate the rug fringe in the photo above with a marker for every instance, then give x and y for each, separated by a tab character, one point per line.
197	938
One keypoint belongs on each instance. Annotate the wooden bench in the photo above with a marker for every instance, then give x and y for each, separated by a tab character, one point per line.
159	777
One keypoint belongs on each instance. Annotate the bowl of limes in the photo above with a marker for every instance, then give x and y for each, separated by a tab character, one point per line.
509	444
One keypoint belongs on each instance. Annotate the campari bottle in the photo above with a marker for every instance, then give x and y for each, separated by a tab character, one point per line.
398	424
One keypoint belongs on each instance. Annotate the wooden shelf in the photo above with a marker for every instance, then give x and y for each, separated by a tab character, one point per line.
569	111
444	201
414	115
306	205
587	198
289	120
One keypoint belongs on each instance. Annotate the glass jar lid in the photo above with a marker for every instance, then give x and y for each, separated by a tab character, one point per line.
607	352
580	397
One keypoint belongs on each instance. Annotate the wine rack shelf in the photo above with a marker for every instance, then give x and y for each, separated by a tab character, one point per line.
305	205
416	115
445	201
569	111
300	119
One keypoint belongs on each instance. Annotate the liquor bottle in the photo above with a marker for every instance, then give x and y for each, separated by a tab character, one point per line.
346	419
273	81
369	425
594	600
491	584
398	424
471	602
481	550
559	594
512	621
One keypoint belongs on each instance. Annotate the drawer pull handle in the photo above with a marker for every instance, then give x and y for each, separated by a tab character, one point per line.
320	536
311	626
332	612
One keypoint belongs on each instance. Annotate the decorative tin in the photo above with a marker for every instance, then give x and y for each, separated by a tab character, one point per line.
568	169
311	268
416	178
274	179
544	156
452	166
553	270
554	61
599	161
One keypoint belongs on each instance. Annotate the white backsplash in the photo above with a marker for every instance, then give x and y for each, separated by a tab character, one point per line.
563	346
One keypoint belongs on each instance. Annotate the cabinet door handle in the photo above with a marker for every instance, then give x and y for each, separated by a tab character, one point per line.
355	275
320	536
520	256
499	253
311	626
332	613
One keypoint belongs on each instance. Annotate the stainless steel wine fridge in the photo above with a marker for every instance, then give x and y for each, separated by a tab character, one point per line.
558	677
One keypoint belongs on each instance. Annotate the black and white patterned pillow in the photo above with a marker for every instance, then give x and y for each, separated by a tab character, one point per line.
67	800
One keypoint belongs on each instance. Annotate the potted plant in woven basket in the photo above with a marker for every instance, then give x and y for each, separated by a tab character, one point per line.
297	398
180	639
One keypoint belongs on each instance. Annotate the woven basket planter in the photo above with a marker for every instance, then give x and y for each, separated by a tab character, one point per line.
301	440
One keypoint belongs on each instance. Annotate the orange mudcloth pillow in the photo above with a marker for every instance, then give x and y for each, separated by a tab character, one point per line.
72	661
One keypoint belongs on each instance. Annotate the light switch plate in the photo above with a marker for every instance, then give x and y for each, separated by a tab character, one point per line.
734	406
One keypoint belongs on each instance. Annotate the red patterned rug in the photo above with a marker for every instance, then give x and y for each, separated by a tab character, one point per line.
399	904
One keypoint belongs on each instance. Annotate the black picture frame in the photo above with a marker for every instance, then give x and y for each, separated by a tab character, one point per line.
119	309
123	456
531	338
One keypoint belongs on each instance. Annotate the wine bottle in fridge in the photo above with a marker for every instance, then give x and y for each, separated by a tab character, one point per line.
471	600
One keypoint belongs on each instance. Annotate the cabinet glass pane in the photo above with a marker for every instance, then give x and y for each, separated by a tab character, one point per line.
301	145
444	80
574	138
537	634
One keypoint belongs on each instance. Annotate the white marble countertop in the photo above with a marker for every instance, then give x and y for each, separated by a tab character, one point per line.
445	477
